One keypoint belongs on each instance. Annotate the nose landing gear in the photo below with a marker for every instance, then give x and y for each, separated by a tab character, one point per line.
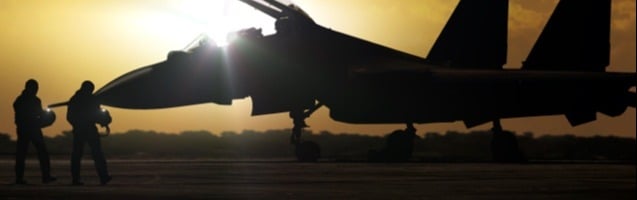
306	151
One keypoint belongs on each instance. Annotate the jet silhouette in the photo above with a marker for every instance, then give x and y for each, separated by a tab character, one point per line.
304	66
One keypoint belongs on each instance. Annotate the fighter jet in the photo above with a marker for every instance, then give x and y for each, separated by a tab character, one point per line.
304	66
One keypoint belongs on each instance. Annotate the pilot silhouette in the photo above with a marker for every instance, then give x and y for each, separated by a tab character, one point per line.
83	113
29	119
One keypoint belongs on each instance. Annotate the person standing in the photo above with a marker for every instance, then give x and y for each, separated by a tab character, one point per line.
83	113
29	119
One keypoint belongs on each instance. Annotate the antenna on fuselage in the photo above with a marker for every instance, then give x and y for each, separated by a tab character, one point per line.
276	14
281	10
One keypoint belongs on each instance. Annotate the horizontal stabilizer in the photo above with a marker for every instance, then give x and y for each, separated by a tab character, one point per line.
474	37
631	99
576	38
619	105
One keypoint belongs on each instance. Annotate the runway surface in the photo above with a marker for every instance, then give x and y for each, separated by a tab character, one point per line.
197	179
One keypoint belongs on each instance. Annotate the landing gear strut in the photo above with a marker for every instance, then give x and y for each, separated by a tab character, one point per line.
306	151
504	146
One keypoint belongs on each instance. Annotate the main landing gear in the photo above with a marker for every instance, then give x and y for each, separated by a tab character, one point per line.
306	151
504	146
398	148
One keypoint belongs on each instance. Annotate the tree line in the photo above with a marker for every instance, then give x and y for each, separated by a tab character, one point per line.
272	144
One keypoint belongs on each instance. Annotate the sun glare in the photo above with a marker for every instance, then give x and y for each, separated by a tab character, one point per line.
218	18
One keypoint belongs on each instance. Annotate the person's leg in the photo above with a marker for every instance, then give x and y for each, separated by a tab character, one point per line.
98	157
43	155
76	156
20	156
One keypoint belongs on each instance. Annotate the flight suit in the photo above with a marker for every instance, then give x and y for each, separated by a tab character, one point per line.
28	111
83	110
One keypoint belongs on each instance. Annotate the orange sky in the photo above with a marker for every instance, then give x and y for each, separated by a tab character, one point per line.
61	43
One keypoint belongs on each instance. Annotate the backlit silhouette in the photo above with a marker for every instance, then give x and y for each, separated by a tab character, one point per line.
83	113
30	119
304	66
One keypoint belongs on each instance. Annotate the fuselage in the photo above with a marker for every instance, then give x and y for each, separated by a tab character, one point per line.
361	82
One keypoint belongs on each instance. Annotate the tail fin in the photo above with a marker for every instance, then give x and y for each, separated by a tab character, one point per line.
475	36
577	37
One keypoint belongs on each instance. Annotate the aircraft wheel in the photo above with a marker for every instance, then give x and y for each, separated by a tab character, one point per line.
505	149
308	151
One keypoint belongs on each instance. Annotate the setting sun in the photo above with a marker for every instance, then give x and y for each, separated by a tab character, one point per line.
214	18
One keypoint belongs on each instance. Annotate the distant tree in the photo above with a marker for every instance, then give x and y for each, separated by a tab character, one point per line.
7	146
249	144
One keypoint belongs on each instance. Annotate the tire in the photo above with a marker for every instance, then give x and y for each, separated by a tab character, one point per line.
308	151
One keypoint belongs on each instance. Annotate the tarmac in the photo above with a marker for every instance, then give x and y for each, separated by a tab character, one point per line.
281	179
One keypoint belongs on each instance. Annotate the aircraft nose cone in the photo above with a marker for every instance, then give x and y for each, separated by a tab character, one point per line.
126	91
165	84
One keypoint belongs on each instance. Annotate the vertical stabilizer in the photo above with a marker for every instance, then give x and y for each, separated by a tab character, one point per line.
576	38
474	37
